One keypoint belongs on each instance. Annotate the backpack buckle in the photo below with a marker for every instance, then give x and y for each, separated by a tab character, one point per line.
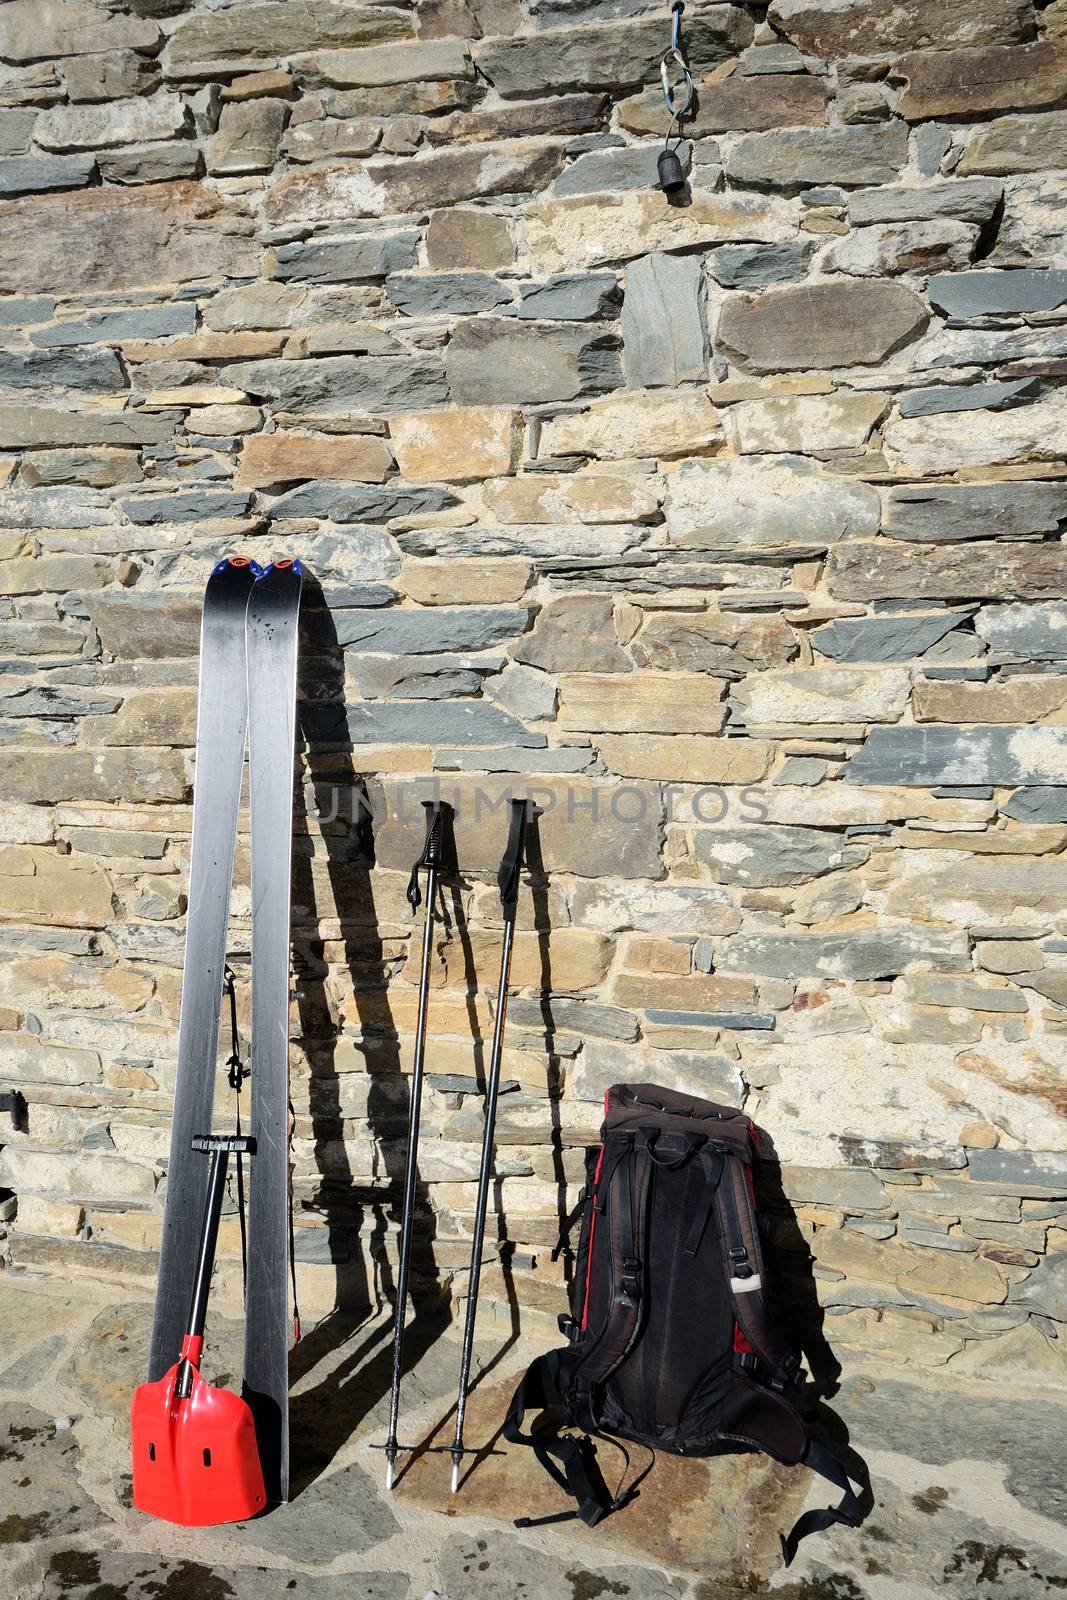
747	1285
787	1374
568	1327
628	1291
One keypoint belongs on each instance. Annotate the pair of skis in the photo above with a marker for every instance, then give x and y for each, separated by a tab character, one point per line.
508	882
247	695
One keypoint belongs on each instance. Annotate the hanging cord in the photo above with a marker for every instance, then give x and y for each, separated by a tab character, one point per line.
292	1230
236	1076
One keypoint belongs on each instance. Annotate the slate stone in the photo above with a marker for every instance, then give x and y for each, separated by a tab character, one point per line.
664	322
1045	802
938	513
967	397
863	953
144	322
494	1563
30	174
40	1493
739	101
566	758
273	30
609	171
430	629
150	163
364	383
853	154
345	191
758	266
965	199
493	359
74	1574
613	55
985	569
49	700
764	503
448	722
937	755
1029	1169
932	144
442	294
569	297
1045	1290
869	28
16	312
886	638
116	238
55	507
40	427
96	371
16	126
773	855
427	677
188	505
819	325
1025	632
365	255
360	502
739	1021
535	541
466	238
1018	144
976	294
322	1247
940	83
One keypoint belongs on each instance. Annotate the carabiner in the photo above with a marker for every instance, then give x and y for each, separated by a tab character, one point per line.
677	103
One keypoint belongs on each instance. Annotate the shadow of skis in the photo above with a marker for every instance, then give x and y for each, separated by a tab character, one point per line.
344	961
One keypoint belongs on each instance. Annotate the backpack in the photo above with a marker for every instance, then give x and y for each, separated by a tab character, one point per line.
671	1342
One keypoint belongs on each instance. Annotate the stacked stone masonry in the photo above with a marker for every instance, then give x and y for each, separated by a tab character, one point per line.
731	529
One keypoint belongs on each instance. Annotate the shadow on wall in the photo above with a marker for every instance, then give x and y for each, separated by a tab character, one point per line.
794	1297
360	1217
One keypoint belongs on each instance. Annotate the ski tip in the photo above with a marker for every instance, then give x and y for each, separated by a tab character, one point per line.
287	564
238	564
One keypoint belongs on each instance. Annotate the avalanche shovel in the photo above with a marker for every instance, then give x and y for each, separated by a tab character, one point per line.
195	1460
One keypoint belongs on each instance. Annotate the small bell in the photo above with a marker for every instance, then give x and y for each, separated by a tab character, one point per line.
671	172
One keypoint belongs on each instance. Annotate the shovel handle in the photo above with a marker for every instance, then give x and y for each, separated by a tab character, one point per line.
209	1233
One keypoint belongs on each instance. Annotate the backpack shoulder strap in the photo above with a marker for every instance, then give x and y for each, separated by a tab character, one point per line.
568	1461
743	1261
849	1510
621	1204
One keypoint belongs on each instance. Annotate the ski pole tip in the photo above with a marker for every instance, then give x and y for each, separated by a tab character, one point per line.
455	1477
388	1477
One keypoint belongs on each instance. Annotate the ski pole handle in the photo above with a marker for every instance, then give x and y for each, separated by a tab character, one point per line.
514	856
431	850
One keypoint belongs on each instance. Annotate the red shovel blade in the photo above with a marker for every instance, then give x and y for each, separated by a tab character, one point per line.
195	1461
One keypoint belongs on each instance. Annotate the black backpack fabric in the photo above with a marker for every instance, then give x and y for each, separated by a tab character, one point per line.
671	1342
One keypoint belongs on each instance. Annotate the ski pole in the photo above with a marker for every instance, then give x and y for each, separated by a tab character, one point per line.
430	859
508	880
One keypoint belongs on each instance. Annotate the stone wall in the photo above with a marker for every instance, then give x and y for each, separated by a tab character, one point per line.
732	527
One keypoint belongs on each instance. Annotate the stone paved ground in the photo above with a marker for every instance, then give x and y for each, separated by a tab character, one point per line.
969	1501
